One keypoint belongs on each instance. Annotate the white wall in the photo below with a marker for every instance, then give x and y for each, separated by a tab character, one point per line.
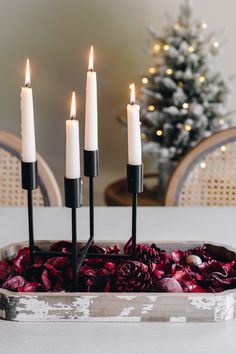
56	35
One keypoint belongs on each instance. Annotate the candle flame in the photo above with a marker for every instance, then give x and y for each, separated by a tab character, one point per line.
73	106
90	66
132	94
27	73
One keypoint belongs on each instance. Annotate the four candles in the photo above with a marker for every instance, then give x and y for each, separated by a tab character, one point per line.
72	125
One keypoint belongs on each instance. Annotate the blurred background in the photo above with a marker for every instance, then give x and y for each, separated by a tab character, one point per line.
56	35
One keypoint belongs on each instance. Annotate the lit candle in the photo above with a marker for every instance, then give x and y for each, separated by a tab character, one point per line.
27	120
134	136
72	143
91	116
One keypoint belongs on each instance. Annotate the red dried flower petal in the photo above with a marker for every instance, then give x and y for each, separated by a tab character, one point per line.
5	271
14	283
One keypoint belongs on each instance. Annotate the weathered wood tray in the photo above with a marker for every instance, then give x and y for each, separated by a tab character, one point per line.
125	307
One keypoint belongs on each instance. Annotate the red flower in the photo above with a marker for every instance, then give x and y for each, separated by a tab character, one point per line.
92	279
30	287
5	271
14	283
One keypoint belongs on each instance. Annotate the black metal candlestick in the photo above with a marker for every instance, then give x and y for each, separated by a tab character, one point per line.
91	166
73	200
134	186
29	180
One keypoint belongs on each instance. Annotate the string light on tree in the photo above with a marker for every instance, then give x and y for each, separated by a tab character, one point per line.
204	25
166	47
188	127
203	165
191	49
159	132
157	48
143	136
151	108
144	80
221	121
216	45
185	105
223	148
177	26
169	71
202	79
152	70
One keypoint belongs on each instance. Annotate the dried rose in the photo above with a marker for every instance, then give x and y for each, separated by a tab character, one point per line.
30	287
91	279
14	283
5	271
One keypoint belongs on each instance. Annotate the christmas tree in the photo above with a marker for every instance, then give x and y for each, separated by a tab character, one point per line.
183	97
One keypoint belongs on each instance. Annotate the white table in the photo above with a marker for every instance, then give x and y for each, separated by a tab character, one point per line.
215	224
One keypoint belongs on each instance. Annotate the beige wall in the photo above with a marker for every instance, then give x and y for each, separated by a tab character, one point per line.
56	35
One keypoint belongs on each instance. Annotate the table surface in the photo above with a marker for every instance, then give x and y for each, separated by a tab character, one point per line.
213	224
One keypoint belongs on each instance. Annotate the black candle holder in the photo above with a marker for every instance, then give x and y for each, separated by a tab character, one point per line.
29	180
134	186
91	163
73	200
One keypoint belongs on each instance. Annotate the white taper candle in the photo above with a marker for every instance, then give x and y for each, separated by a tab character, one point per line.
72	143
91	115
27	120
134	136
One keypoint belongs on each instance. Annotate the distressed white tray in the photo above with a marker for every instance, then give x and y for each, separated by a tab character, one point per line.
125	307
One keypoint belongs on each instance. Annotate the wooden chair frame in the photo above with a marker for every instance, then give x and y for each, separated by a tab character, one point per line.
195	156
47	181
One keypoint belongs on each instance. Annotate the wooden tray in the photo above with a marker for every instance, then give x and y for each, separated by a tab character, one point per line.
125	307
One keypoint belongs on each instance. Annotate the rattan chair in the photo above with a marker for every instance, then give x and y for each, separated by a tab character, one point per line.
11	194
207	174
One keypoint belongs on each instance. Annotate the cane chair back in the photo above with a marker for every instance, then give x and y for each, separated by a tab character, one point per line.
11	193
206	176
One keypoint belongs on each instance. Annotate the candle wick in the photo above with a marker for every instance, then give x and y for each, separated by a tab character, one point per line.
91	70
27	85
